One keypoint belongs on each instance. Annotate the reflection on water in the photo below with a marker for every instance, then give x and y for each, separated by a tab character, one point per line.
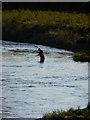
31	89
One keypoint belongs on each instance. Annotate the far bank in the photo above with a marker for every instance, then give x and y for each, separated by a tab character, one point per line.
69	31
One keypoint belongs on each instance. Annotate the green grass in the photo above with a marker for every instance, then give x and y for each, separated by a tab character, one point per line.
71	114
81	56
52	28
42	17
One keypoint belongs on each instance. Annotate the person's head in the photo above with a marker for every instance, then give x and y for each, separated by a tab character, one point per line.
39	49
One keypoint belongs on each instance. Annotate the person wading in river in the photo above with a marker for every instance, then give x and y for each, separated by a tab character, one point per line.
41	54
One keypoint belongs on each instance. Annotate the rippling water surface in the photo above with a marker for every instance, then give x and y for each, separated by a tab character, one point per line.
31	89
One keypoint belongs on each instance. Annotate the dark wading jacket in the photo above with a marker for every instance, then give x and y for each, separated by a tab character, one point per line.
41	54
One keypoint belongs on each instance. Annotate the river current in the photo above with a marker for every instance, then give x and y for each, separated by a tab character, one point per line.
31	89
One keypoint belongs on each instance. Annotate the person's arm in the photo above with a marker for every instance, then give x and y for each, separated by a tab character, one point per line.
38	54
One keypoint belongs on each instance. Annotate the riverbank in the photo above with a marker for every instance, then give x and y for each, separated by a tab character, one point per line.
82	57
71	114
51	28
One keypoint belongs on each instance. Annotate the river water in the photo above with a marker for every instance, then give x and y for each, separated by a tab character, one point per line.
31	89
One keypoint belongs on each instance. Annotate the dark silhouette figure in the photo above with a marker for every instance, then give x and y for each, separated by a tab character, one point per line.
41	54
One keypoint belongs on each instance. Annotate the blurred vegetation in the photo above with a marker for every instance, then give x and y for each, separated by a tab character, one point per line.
52	28
49	17
81	56
71	114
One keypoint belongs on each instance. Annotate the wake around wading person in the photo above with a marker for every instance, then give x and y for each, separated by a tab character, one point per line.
41	54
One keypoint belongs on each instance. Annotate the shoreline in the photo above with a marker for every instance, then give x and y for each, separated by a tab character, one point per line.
61	29
82	56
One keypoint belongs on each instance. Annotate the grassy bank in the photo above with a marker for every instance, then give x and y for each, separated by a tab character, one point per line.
71	114
57	29
81	56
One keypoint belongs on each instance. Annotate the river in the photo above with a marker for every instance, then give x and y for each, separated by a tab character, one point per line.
31	89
